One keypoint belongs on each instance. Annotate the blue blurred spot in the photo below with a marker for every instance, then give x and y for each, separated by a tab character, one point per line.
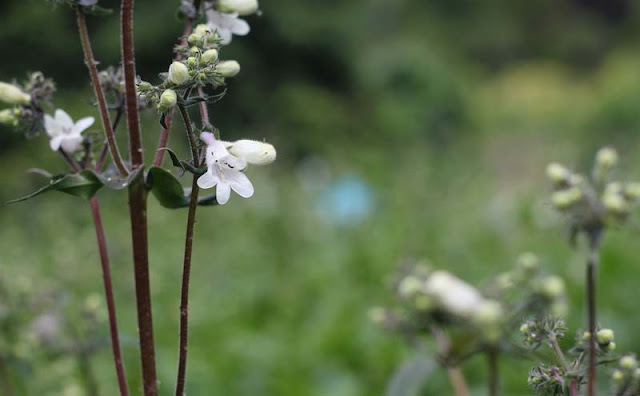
346	200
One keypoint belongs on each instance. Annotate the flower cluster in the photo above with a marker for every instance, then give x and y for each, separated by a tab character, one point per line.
26	102
436	298
593	203
547	380
626	378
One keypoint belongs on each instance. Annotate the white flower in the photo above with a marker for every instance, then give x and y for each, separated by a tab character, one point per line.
453	294
253	152
224	171
242	7
227	25
64	133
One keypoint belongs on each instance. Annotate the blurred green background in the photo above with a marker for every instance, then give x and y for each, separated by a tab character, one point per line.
404	129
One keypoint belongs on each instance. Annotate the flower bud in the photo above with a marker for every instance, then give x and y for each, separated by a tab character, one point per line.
194	39
632	191
565	199
604	336
611	346
144	87
242	7
255	153
209	56
452	294
228	68
193	51
525	328
628	363
178	73
11	94
489	312
168	99
552	287
615	204
617	375
409	286
586	336
528	262
606	158
8	117
377	314
192	61
558	173
202	30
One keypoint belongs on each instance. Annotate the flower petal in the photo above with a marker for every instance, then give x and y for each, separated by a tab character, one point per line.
225	35
240	27
64	120
71	143
51	126
208	180
55	142
239	182
83	124
223	192
232	162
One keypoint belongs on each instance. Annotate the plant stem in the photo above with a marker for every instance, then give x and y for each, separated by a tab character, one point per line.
5	380
203	109
186	269
105	147
164	138
108	291
456	377
592	265
138	207
102	102
90	382
573	388
556	348
492	360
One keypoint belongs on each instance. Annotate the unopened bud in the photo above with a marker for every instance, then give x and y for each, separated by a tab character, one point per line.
144	87
209	56
628	363
168	99
552	287
565	199
604	336
242	7
11	94
617	375
194	39
611	346
192	61
606	158
558	173
525	328
194	51
178	73
586	336
254	152
528	262
8	117
488	313
615	204
409	286
202	30
632	191
228	68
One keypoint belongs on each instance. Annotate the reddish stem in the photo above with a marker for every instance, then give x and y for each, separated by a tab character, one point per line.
573	388
138	207
164	138
108	291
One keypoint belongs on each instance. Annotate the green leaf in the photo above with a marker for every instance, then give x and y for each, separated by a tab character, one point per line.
184	165
84	184
166	188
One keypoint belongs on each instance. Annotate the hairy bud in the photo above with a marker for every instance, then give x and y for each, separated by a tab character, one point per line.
178	73
228	68
168	99
209	56
242	7
11	94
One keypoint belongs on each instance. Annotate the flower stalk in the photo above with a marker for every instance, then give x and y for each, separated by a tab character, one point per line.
99	92
595	237
138	207
494	383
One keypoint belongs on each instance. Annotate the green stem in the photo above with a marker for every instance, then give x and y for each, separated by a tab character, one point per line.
494	383
592	265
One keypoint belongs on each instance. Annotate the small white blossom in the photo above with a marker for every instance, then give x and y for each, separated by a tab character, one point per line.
453	294
226	25
224	171
63	132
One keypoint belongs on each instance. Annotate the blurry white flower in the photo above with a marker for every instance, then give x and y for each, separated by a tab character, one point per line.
224	171
11	94
453	294
63	132
254	152
226	25
242	7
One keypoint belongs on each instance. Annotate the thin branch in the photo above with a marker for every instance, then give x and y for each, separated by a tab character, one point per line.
97	87
186	269
164	138
494	383
105	147
592	265
108	291
70	161
138	208
456	377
